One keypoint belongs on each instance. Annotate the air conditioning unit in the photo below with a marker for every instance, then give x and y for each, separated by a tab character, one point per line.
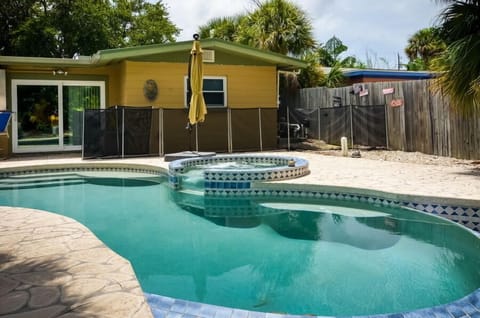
208	56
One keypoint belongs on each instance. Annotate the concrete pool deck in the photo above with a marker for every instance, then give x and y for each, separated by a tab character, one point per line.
52	266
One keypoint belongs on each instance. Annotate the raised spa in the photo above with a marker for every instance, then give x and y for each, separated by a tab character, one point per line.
235	174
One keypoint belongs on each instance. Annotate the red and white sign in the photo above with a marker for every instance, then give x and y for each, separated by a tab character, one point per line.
387	91
396	103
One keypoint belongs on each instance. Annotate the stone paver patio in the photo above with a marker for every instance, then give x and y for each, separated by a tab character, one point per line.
52	266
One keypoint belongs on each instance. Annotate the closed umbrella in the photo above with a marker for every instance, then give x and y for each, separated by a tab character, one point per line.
198	109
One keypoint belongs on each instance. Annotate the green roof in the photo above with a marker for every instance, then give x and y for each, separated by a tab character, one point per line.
232	53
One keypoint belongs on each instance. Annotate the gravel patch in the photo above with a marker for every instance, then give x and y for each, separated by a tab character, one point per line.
318	146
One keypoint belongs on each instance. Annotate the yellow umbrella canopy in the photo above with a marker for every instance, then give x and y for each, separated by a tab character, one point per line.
198	109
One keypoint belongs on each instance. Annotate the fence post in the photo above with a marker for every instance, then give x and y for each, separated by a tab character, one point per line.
319	119
351	123
260	127
160	132
288	128
386	121
83	134
123	132
229	130
196	137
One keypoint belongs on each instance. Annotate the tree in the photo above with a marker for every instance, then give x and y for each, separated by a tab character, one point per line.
423	47
329	54
279	26
334	78
459	64
81	26
221	28
312	75
139	23
58	28
34	37
13	13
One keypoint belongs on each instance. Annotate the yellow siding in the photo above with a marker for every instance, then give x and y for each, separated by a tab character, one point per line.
247	86
169	78
113	84
120	87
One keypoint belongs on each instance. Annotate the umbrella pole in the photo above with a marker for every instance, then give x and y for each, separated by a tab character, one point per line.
196	137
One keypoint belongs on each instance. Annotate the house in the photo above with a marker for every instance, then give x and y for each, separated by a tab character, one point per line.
241	86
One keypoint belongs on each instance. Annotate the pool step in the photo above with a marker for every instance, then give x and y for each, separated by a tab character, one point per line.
37	181
192	192
189	198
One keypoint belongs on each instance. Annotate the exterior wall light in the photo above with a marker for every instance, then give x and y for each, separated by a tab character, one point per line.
60	71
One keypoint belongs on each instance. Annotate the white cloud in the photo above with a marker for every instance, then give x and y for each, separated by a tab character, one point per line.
379	27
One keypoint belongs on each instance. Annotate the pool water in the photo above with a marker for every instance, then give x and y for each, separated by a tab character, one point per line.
193	178
292	256
243	165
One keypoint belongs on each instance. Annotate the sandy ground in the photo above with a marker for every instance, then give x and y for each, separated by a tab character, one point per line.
318	146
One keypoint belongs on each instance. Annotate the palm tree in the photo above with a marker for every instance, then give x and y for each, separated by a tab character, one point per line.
221	28
312	75
279	26
424	46
329	54
460	63
334	78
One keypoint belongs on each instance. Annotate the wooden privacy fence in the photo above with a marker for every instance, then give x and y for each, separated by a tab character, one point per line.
416	118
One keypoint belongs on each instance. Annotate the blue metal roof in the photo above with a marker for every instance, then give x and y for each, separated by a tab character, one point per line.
389	74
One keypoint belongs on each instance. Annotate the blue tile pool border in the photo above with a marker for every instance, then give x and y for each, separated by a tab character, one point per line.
163	307
459	211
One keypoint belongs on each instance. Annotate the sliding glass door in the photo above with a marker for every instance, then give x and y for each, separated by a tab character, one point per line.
37	116
49	114
75	100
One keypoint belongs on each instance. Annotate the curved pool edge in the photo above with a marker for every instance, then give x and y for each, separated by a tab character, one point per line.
468	306
465	212
52	265
89	166
162	306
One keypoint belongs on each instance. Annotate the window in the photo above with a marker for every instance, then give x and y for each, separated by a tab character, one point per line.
214	91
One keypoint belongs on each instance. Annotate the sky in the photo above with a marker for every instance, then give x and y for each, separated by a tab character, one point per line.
374	30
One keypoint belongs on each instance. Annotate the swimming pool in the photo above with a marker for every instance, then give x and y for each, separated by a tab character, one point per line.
208	251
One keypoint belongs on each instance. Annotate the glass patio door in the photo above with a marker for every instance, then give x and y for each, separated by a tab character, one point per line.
75	100
37	116
48	115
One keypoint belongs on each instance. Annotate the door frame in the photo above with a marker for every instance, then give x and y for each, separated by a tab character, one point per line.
60	84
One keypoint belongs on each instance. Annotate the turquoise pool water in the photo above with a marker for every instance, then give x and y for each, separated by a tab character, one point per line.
293	256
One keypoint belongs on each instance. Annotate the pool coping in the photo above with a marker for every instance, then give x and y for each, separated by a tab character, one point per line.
162	306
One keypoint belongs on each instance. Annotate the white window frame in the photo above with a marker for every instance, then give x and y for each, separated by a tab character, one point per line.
225	96
60	84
